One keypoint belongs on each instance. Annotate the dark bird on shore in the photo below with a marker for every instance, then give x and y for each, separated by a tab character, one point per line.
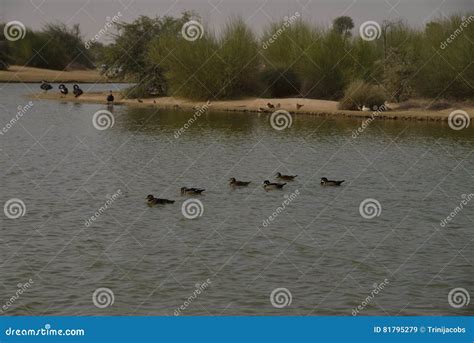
270	105
177	107
326	182
151	200
298	106
45	86
140	100
154	101
77	91
267	185
285	177
233	182
63	89
110	98
191	191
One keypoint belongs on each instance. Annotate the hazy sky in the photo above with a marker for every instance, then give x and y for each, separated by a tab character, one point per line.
92	14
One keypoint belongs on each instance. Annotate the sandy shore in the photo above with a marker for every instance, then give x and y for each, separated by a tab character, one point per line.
310	106
27	74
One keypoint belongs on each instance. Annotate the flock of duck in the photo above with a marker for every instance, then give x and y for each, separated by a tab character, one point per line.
233	182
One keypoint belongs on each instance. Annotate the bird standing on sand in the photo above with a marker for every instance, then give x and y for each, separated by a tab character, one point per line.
233	182
285	177
110	98
151	200
298	106
45	86
191	191
63	89
270	105
77	91
140	100
267	185
326	182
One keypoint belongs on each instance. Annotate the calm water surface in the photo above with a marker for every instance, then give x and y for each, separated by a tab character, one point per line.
319	248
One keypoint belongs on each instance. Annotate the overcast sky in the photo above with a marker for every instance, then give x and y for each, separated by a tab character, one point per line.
92	14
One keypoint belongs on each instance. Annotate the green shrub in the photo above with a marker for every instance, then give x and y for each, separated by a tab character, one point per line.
280	82
359	94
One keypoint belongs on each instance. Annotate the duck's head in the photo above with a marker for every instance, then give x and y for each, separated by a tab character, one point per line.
75	86
324	179
232	179
266	182
278	174
150	197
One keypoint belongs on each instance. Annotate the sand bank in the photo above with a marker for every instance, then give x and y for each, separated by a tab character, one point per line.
27	74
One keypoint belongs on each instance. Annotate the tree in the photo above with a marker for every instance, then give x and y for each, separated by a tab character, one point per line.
343	25
4	50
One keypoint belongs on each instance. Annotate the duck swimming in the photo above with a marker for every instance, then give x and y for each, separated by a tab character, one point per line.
45	86
151	200
235	183
326	182
63	89
191	191
285	177
267	185
77	91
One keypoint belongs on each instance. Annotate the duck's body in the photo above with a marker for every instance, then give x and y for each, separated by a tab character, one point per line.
298	106
45	86
285	177
191	191
63	89
77	91
110	98
233	182
267	185
270	105
326	182
151	200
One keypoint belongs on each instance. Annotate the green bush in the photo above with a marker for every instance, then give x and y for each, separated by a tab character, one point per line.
280	82
360	94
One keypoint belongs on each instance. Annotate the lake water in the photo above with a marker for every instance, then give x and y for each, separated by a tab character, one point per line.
227	261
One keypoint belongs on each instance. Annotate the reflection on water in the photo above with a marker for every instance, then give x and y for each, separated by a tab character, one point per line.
318	247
